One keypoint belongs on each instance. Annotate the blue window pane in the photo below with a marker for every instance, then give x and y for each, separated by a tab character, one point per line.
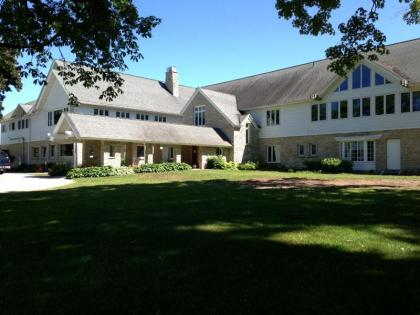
334	110
344	86
379	80
416	101
356	78
365	76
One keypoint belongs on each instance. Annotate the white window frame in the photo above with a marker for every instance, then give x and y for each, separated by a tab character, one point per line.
364	146
247	133
49	118
170	153
310	147
272	117
299	147
144	151
200	115
219	151
273	154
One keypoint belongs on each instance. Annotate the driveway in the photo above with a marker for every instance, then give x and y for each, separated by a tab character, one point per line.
29	182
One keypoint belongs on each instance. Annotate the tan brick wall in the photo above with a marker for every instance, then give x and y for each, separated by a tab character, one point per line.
329	147
213	117
243	152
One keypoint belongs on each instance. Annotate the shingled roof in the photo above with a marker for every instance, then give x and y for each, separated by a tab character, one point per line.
140	94
298	83
116	129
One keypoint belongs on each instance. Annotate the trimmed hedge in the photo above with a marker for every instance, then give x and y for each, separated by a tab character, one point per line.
59	169
329	165
99	171
162	167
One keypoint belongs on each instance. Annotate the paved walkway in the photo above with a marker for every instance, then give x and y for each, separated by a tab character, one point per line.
29	182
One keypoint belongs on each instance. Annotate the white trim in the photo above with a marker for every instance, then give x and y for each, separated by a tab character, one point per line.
358	138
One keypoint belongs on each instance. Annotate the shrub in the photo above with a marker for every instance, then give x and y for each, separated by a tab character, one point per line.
162	167
99	171
334	165
248	166
312	165
58	169
216	162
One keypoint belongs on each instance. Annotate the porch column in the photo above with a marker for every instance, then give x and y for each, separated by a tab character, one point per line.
177	153
150	151
101	153
78	154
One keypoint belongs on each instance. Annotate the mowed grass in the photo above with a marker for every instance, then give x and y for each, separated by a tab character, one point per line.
203	242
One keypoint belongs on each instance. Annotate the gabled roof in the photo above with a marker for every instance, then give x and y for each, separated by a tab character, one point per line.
26	108
225	104
116	129
140	94
299	83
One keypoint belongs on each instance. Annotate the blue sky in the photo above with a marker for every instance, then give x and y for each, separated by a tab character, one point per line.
219	40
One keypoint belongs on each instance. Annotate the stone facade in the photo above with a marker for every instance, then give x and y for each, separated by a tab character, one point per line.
328	146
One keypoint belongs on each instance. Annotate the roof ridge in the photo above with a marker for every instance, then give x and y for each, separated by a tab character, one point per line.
137	76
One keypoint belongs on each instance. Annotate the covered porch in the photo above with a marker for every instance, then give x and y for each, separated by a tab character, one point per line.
103	141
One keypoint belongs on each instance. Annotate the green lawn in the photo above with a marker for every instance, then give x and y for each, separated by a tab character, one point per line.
203	242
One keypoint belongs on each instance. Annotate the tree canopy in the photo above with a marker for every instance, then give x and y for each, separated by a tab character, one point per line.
360	36
100	34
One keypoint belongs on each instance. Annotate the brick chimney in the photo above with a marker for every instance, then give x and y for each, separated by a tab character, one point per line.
172	81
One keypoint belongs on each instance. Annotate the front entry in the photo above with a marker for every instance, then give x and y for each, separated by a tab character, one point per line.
194	157
393	154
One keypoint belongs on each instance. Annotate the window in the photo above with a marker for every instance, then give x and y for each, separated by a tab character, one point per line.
300	150
19	123
356	107
43	152
199	115
127	115
49	118
390	104
343	109
142	116
356	82
405	102
319	112
160	118
379	105
111	151
118	114
95	111
366	106
380	80
273	155
314	113
122	115
334	110
365	76
416	101
57	114
106	112
385	104
344	86
273	117
322	111
12	126
140	151
66	150
3	128
52	150
219	151
313	149
170	153
101	112
26	123
371	151
247	134
361	77
35	153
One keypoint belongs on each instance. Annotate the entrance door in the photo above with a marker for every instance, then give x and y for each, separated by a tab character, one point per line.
194	157
393	154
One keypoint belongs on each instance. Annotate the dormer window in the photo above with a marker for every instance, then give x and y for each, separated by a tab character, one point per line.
200	115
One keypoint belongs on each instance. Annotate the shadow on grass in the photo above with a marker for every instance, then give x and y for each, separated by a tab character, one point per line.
203	247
